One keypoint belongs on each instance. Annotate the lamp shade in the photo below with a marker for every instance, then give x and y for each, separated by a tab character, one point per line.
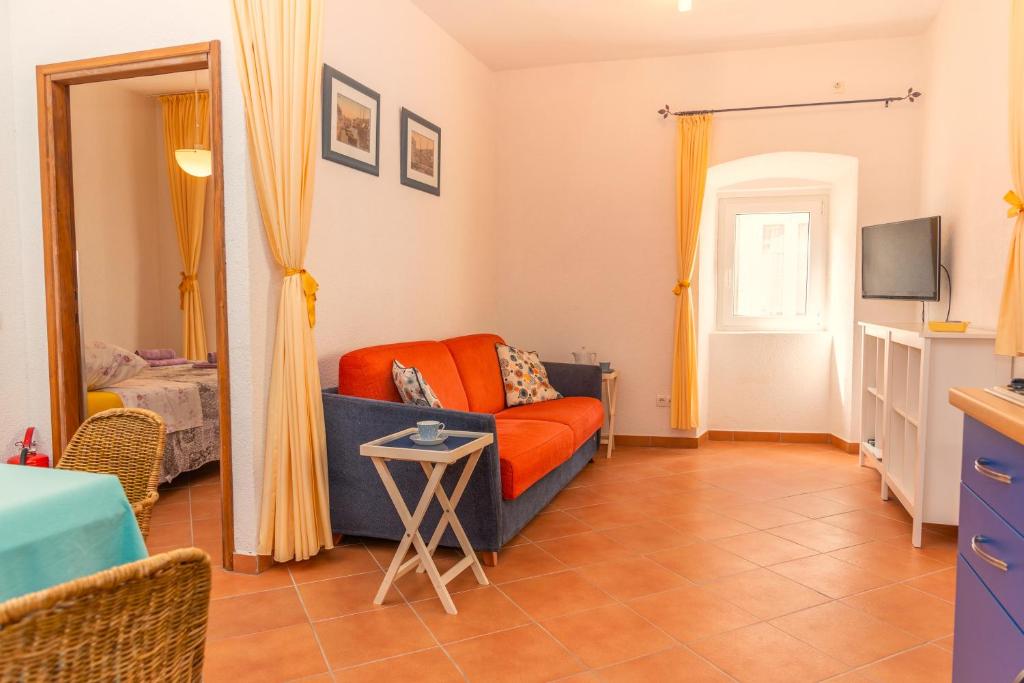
195	162
685	5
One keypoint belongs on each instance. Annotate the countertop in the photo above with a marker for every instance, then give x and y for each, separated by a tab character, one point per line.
1004	417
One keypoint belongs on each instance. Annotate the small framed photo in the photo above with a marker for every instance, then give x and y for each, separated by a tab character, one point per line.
351	122
421	153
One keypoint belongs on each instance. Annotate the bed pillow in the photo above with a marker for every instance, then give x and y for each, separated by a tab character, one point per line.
526	380
106	365
412	387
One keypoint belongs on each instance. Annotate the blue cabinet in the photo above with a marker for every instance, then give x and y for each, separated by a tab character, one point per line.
988	643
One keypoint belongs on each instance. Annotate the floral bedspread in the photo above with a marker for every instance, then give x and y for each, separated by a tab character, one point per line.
187	399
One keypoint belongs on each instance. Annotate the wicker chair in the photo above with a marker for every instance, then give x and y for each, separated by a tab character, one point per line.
143	621
128	443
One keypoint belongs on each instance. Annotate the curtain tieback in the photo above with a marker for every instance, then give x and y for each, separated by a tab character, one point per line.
309	287
1016	204
680	286
187	282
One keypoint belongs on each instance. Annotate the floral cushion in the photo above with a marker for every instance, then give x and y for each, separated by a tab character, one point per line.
412	387
106	365
526	380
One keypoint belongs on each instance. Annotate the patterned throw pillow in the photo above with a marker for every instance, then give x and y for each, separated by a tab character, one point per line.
412	387
526	380
106	365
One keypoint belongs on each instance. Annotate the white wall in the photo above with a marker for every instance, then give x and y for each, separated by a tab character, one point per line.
128	260
771	381
13	342
560	236
966	152
394	263
744	369
48	31
585	176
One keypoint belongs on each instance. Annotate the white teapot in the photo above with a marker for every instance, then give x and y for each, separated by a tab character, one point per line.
584	357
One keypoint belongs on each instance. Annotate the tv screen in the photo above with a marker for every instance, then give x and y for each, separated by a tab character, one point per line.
901	260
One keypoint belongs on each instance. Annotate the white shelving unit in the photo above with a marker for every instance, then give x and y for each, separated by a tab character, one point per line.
906	374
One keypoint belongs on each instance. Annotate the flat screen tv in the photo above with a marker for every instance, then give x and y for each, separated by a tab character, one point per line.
901	260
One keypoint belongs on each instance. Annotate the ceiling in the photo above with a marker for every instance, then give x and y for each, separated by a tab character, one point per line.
163	84
513	34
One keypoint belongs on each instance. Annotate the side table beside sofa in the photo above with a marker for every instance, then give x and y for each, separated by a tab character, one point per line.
610	382
433	460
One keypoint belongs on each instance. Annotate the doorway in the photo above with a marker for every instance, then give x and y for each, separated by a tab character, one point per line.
64	324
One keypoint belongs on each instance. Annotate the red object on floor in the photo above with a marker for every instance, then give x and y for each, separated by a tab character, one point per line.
31	461
28	452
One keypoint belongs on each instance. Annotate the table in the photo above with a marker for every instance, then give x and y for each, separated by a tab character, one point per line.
610	385
434	460
59	525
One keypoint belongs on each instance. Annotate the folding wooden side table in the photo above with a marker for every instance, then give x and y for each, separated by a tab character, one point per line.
610	384
434	460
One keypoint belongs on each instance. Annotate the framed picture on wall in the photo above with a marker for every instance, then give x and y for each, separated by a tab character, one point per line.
351	122
421	153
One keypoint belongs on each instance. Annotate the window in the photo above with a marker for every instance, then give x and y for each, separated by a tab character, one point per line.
772	256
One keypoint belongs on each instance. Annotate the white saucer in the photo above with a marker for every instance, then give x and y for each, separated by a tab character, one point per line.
428	442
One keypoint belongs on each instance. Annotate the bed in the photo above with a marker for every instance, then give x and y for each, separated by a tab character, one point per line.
186	398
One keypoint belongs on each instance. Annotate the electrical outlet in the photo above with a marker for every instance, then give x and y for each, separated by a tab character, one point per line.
838	87
661	401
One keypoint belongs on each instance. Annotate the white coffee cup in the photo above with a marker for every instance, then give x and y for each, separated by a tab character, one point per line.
429	430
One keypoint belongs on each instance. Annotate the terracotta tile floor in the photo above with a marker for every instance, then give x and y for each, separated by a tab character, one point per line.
736	562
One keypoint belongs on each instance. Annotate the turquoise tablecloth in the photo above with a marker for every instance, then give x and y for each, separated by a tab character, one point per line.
57	525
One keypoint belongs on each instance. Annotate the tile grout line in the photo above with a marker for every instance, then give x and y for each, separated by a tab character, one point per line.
683	644
412	609
312	626
632	553
550	635
677	642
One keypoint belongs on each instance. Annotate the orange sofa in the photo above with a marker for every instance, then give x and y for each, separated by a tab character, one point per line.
538	448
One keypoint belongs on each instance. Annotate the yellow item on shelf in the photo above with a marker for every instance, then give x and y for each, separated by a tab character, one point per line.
948	325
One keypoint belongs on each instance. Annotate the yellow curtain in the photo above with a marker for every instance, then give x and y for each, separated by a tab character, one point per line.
279	69
692	172
1010	328
188	203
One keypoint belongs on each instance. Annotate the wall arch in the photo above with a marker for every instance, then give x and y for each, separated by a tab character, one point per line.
838	174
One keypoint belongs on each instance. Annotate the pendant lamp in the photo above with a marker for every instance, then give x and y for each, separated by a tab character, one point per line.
195	160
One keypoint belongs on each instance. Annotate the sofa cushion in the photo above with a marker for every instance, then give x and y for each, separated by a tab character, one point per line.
366	373
582	414
529	449
477	361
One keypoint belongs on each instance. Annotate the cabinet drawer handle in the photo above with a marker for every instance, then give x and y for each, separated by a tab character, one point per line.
981	466
976	543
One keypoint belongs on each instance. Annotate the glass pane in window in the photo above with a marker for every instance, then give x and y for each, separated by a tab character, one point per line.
771	264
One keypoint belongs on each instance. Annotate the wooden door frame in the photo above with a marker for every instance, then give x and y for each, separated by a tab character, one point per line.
63	327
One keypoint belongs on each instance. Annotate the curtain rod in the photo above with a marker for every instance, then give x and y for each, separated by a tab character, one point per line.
910	96
183	92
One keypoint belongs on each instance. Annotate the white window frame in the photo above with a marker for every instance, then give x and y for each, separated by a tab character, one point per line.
816	205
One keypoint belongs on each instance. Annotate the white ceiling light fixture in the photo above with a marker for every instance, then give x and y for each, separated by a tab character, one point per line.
195	160
685	5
